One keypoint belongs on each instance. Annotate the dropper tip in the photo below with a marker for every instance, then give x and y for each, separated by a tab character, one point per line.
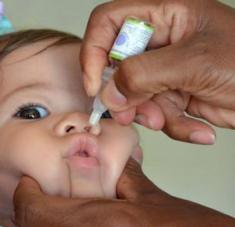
94	130
95	118
87	128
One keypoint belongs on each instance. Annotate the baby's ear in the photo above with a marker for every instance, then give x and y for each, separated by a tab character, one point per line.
138	154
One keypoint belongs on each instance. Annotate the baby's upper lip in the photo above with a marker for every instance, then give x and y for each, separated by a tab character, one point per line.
84	145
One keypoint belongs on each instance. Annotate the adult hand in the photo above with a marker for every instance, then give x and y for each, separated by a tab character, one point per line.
189	68
140	204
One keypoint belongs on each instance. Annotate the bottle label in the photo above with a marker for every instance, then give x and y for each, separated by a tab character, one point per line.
132	39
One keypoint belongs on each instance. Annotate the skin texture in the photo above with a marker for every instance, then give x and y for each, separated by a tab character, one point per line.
189	67
205	39
55	150
140	204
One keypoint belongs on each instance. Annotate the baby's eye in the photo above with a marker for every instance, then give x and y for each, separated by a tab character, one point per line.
106	115
31	112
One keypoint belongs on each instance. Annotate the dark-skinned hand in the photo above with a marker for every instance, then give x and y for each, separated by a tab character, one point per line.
189	70
140	204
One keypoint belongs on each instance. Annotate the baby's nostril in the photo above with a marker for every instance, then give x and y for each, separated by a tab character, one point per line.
69	128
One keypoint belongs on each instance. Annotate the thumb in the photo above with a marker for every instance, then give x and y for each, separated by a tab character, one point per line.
140	77
134	186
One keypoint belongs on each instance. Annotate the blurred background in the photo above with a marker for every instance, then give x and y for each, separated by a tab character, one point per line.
204	174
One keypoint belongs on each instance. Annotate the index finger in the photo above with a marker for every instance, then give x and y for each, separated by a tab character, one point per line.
102	29
27	193
34	208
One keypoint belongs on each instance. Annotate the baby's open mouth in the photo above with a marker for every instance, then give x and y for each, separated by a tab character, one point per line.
83	151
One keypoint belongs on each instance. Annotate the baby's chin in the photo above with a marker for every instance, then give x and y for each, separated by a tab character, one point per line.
91	190
95	183
82	178
86	178
100	181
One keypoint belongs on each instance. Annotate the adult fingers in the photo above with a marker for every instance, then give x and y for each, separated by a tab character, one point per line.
27	194
138	78
148	114
134	186
35	209
179	126
27	191
125	117
103	26
217	116
176	66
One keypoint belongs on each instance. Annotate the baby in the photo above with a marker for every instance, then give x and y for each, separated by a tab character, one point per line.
43	112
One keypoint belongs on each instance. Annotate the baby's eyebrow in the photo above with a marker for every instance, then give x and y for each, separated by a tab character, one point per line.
33	86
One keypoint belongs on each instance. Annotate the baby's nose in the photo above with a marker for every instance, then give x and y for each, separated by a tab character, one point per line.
72	123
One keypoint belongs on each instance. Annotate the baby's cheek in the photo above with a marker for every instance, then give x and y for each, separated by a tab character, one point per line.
138	154
122	141
39	159
125	134
49	170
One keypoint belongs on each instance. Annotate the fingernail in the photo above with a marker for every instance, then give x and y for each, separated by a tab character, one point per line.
113	96
89	86
95	130
201	137
86	83
141	119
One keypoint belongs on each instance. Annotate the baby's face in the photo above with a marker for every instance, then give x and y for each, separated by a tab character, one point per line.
43	112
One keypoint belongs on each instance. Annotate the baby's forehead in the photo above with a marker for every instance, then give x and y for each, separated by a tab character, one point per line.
43	62
13	41
35	49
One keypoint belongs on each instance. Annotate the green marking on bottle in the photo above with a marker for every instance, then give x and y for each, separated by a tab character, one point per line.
116	56
146	25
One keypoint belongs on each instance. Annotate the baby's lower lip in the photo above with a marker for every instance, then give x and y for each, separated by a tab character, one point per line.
83	162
